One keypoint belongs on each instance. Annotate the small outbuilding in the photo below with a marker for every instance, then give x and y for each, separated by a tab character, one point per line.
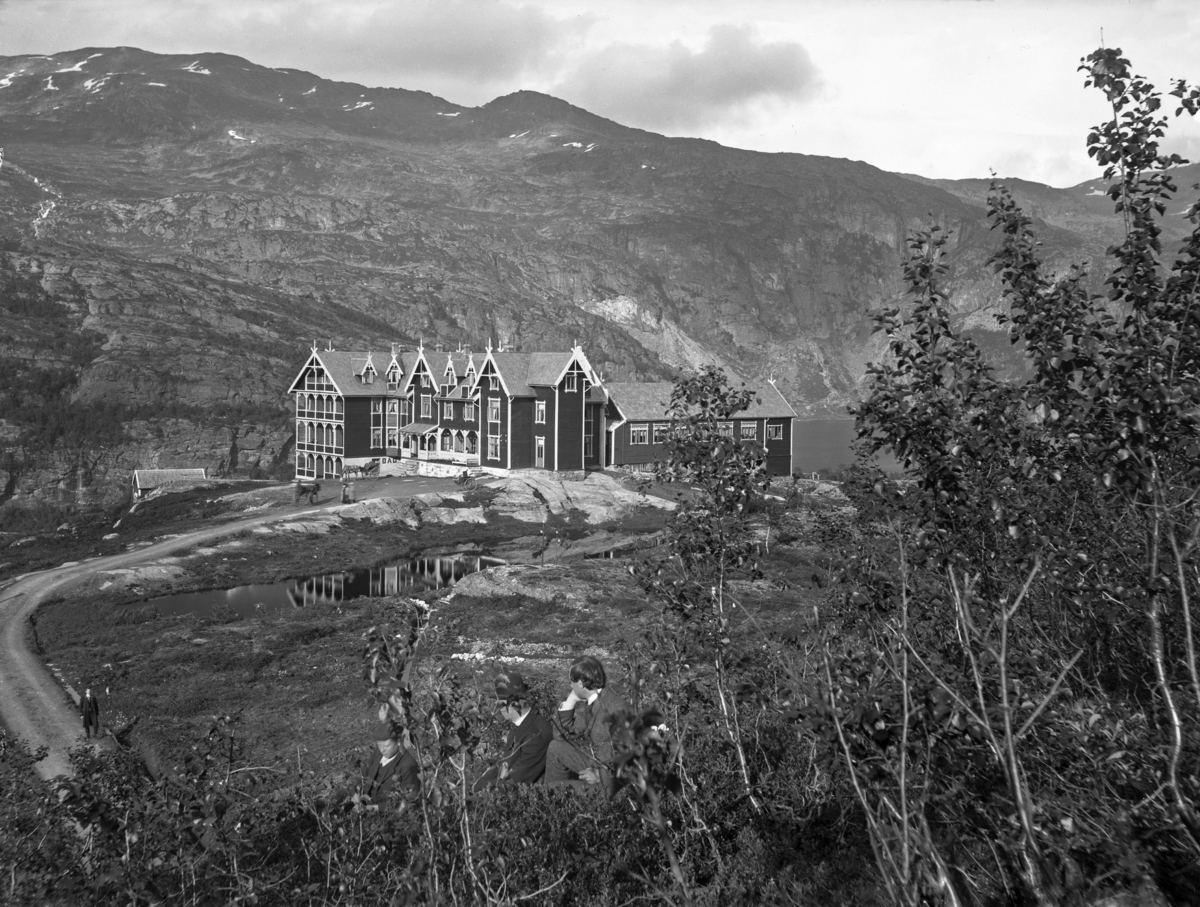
148	480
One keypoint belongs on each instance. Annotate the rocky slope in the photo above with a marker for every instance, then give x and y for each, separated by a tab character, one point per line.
206	219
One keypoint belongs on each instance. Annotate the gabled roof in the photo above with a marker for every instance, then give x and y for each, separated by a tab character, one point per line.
345	366
521	372
417	356
650	401
513	369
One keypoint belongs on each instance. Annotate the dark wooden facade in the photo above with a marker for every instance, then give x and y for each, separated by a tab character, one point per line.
501	411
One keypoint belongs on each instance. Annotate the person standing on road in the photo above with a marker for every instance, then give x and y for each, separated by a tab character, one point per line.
89	711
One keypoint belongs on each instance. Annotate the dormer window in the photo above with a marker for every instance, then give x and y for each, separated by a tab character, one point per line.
571	386
425	381
495	383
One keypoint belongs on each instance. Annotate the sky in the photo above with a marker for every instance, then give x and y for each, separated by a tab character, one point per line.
942	88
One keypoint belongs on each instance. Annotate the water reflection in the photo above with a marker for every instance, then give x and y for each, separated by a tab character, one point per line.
395	579
403	577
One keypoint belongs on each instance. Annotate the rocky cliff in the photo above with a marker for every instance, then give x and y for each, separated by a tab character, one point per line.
203	219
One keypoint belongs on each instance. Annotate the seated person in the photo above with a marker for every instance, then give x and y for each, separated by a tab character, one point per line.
582	751
524	761
392	766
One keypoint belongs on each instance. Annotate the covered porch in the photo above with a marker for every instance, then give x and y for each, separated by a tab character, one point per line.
425	441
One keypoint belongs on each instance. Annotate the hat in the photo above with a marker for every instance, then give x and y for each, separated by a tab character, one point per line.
383	731
510	685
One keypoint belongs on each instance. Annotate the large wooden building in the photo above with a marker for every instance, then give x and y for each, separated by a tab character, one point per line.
638	424
493	410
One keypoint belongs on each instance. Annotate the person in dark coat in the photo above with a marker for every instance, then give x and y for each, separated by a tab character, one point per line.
89	711
582	754
524	759
391	767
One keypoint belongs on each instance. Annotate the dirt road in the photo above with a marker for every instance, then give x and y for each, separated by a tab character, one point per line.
33	704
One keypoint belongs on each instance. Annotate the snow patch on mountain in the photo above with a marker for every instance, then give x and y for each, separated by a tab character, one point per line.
195	67
50	86
456	113
78	67
7	80
311	90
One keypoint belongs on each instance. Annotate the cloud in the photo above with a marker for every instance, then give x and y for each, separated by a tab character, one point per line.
478	47
674	87
459	38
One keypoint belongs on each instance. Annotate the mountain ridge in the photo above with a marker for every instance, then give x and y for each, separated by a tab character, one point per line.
206	199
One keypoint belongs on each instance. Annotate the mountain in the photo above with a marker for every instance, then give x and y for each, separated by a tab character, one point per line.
194	223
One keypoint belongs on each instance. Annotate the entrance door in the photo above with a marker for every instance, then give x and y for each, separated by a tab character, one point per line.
540	457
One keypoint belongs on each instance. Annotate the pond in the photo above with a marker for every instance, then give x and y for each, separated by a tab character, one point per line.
401	577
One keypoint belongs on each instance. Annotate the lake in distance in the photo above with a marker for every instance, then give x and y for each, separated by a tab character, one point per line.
825	444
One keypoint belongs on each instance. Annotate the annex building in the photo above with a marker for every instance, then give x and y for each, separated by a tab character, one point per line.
495	411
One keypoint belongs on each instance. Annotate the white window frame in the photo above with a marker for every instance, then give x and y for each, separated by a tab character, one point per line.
660	432
493	407
774	432
753	436
571	385
448	411
725	429
495	382
426	406
640	430
469	412
493	448
539	412
539	452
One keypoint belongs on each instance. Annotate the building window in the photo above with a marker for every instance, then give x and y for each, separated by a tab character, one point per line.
587	445
493	409
393	438
662	431
539	412
469	412
774	432
458	442
377	422
426	381
749	431
448	411
495	383
726	429
571	383
639	434
493	448
539	457
472	443
426	406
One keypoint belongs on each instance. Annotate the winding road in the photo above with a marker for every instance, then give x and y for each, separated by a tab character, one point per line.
34	705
